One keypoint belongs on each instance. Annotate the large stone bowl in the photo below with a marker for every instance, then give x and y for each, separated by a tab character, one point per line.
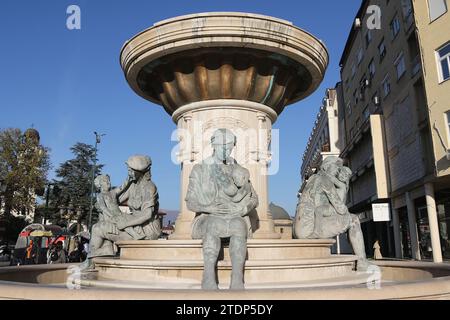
224	55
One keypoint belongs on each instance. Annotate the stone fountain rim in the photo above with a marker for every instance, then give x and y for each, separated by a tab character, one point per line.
220	14
311	53
438	287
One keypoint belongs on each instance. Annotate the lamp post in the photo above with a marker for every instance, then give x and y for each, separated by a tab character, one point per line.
97	141
47	196
2	190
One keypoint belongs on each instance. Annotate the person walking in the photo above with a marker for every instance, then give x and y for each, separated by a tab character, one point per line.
377	252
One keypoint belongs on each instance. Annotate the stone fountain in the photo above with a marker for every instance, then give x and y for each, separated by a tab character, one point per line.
236	71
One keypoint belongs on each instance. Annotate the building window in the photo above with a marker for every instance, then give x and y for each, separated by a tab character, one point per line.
444	62
349	109
366	113
382	50
362	83
386	85
400	65
447	123
360	55
407	9
372	69
368	37
395	27
353	71
436	8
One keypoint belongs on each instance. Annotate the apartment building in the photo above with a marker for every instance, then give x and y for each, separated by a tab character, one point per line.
386	124
324	140
388	134
433	27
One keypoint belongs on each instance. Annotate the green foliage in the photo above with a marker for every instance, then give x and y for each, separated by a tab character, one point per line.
10	227
73	189
24	164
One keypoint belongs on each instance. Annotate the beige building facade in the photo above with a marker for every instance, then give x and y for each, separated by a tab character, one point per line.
394	102
433	22
433	25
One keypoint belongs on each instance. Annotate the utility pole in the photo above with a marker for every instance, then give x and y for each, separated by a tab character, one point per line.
97	141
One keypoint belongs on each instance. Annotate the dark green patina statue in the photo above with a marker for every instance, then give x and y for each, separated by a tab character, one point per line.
322	212
221	194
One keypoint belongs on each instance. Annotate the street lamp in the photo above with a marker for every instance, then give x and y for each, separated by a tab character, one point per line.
2	190
47	196
97	141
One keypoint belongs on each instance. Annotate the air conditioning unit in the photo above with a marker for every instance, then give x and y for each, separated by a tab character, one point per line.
376	101
367	82
358	23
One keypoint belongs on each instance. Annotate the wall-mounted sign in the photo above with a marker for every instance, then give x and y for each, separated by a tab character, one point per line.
381	212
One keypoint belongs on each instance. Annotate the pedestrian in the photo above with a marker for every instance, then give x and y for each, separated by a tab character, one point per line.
58	254
51	247
84	248
377	252
30	253
77	254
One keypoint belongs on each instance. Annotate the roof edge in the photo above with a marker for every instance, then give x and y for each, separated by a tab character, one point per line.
351	37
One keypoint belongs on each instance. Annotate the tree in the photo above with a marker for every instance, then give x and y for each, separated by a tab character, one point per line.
24	164
73	189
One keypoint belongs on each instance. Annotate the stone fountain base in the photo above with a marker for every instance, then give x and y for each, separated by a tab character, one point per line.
400	280
179	264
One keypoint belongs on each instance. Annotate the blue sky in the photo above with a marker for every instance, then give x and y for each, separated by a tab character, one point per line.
69	84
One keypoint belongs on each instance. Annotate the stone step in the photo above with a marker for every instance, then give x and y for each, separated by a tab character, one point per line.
128	263
257	249
356	279
267	271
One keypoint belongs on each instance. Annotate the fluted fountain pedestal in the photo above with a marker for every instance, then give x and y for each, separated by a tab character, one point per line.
251	122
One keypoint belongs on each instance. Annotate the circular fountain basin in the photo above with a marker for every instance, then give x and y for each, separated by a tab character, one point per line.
312	273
